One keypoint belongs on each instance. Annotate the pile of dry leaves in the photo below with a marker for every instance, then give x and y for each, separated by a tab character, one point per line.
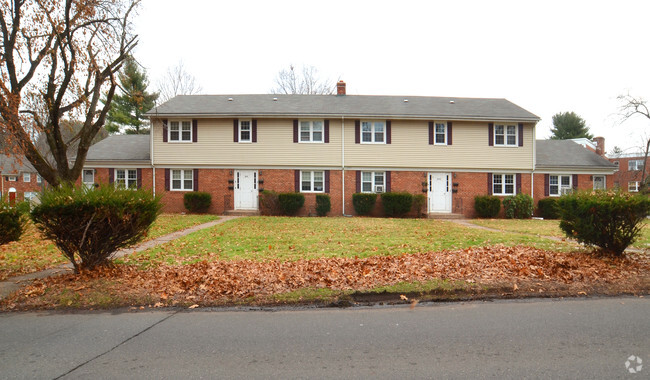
213	282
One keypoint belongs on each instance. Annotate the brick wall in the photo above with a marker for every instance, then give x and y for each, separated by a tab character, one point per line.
623	176
21	186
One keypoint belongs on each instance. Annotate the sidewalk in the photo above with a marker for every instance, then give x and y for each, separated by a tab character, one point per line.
12	284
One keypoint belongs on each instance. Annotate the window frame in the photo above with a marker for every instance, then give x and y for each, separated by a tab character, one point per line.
505	134
373	181
250	131
27	177
39	178
443	133
638	165
559	184
12	178
83	173
311	132
636	186
182	179
373	132
128	180
180	125
594	182
503	183
312	181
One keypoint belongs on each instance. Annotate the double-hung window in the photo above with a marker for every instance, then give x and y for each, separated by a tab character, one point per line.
635	165
126	178
182	180
88	177
27	177
633	186
503	184
559	185
599	182
39	179
373	182
245	131
180	131
505	135
440	133
311	131
312	181
373	132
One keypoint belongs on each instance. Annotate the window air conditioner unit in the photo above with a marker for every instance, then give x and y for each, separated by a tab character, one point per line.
379	188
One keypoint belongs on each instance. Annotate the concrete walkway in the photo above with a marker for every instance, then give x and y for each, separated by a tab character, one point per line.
12	284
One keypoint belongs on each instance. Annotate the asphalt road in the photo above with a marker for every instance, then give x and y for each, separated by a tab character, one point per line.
589	338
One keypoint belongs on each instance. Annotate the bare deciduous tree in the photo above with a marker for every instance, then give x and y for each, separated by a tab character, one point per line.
634	106
59	57
306	81
177	81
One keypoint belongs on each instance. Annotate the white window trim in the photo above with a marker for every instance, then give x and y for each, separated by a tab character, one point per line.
435	124
636	187
373	183
180	131
372	132
505	135
89	184
503	184
12	178
638	165
559	184
27	177
250	132
126	178
604	181
182	188
312	181
311	132
39	178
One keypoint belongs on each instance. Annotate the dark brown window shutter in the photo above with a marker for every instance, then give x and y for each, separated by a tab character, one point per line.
431	133
449	124
164	121
358	181
327	181
518	184
254	133
491	134
547	184
296	180
195	176
111	175
139	172
235	130
195	127
357	132
327	132
388	182
520	135
388	134
167	187
575	182
295	131
489	181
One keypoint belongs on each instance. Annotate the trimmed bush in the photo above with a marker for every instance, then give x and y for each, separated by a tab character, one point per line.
12	222
519	206
548	209
269	204
323	204
290	203
94	223
419	205
197	202
487	206
396	203
363	202
611	220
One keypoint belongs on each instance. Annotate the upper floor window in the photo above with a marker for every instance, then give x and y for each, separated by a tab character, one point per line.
559	185
440	137
373	182
373	132
503	184
312	181
505	135
39	179
27	177
633	186
12	178
311	131
245	131
126	178
635	165
617	164
182	180
180	131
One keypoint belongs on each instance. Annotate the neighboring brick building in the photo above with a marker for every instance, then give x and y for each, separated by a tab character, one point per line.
19	180
630	171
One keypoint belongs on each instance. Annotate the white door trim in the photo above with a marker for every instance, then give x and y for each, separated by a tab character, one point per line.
246	190
439	194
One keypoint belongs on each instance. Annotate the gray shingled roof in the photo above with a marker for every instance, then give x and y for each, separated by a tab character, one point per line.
418	107
12	165
566	153
121	148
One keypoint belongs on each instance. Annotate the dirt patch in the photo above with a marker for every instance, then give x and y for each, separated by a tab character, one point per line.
497	271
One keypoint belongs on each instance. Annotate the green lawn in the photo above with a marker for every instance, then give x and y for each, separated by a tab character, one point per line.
261	238
33	253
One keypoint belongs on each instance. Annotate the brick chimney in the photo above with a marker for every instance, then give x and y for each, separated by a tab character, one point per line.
340	88
600	145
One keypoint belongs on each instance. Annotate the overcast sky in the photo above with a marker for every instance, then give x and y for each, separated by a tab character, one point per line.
545	56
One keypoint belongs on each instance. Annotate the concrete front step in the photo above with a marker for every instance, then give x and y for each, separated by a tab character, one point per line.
444	215
242	212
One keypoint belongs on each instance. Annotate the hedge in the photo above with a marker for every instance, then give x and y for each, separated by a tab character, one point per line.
197	202
323	204
363	202
396	204
290	203
487	206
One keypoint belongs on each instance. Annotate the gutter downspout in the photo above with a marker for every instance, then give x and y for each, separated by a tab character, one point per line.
153	168
343	165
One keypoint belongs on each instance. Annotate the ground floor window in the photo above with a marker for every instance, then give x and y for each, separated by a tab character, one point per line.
182	180
559	185
503	184
126	178
633	186
312	181
373	182
88	177
599	182
30	195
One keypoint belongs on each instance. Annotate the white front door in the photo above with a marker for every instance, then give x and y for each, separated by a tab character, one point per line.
439	192
246	190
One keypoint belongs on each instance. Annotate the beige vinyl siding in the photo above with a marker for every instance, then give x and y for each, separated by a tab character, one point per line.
410	148
274	146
